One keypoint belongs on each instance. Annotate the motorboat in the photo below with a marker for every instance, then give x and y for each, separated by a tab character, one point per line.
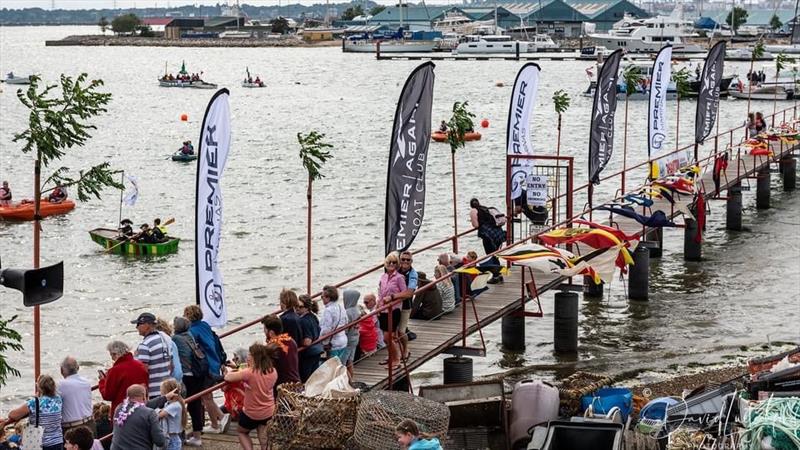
250	82
770	93
745	54
789	49
184	80
642	90
503	44
14	79
649	35
389	46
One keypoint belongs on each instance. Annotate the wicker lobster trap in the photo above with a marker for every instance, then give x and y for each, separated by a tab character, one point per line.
302	422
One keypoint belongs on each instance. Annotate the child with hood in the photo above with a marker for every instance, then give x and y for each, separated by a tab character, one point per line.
409	437
351	297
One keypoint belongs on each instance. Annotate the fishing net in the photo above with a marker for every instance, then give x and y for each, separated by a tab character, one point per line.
302	422
576	386
381	411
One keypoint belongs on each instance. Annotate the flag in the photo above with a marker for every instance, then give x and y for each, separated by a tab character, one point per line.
657	124
133	192
601	130
708	97
215	138
405	181
518	136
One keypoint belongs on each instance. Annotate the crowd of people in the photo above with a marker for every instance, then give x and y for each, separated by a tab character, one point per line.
147	234
147	386
181	77
755	124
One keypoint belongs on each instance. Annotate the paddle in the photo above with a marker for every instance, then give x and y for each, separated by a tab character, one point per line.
169	221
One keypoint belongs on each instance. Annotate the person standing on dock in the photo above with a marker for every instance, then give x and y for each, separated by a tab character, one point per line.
309	328
490	233
391	285
286	362
153	352
412	282
289	318
334	316
76	396
125	372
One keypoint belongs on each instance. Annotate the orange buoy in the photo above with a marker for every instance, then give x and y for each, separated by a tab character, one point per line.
485	123
184	117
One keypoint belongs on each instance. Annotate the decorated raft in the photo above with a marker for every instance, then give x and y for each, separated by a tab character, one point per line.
108	239
24	211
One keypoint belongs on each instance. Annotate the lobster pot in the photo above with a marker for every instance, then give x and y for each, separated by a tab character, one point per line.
381	411
576	386
302	422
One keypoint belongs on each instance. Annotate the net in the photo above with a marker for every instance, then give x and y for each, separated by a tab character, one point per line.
381	411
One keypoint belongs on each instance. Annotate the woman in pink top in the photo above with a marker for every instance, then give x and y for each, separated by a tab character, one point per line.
392	283
259	404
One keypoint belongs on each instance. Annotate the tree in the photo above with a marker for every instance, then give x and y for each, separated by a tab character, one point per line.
560	103
9	340
280	25
458	125
145	31
736	18
126	23
57	123
775	23
103	24
376	10
314	152
352	12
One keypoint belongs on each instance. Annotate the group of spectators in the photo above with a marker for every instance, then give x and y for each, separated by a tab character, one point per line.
755	124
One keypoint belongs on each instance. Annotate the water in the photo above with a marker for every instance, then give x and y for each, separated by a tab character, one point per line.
745	291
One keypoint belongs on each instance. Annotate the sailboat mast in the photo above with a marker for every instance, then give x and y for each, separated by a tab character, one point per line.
496	31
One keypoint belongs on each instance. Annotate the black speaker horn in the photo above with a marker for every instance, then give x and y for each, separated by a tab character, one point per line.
38	286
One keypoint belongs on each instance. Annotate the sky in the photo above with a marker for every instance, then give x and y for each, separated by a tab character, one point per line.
100	4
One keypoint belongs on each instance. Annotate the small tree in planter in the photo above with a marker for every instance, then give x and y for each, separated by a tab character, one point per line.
560	104
458	125
314	152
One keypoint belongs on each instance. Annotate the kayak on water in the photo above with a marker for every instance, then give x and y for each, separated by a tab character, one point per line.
439	136
184	157
24	210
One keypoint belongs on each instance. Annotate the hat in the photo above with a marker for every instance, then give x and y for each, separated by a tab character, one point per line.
126	221
144	318
144	225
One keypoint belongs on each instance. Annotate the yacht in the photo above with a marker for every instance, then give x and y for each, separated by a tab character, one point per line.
641	91
495	43
649	35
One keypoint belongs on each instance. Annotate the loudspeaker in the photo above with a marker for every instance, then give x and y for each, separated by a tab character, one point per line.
38	286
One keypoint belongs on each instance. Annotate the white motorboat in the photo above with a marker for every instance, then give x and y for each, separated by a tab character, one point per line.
649	35
197	84
745	54
791	48
641	91
495	43
13	79
389	46
763	93
253	84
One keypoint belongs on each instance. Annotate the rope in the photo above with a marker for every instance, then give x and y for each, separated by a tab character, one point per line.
777	418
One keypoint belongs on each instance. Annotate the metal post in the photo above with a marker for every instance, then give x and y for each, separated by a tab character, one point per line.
565	322
455	204
789	173
733	208
639	280
692	250
308	240
592	290
37	342
625	146
762	187
656	237
121	192
512	331
517	51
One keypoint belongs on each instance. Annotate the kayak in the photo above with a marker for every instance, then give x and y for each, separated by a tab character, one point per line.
438	136
183	158
107	238
24	211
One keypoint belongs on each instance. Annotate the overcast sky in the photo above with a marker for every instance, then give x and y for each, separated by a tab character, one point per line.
100	4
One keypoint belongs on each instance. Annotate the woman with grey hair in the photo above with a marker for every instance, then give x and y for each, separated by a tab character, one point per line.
191	356
125	372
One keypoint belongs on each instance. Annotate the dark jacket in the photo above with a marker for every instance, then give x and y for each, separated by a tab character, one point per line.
141	431
125	372
428	304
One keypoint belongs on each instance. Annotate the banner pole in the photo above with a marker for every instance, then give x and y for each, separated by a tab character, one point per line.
625	145
308	240
121	193
455	204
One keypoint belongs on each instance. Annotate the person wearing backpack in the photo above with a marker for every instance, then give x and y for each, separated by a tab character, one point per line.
194	365
489	223
209	342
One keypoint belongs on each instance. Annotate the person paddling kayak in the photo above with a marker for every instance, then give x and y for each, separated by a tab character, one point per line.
187	149
5	194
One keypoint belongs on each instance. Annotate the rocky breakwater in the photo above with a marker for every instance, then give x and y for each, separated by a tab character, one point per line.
138	41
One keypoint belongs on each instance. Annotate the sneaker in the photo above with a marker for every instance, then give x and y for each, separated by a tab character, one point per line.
224	422
193	442
494	280
212	430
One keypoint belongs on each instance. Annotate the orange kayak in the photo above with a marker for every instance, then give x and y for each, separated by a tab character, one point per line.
24	211
438	136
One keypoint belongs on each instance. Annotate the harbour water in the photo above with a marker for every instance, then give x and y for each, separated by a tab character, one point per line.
745	293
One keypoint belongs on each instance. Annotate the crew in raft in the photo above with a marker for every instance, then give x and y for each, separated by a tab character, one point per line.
57	195
443	127
5	194
125	229
187	148
147	235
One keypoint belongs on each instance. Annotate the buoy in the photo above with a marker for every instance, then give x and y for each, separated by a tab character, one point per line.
184	117
485	123
499	84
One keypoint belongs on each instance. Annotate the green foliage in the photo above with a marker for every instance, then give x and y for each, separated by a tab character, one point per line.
280	25
775	23
9	340
314	153
126	23
460	122
376	10
103	24
560	101
736	18
145	31
781	61
352	12
681	79
58	123
758	50
631	76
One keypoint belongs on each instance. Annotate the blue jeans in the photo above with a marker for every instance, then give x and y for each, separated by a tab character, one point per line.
174	442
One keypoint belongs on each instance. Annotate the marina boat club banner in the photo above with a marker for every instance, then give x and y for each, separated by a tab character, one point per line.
708	98
405	183
601	130
215	139
518	136
657	125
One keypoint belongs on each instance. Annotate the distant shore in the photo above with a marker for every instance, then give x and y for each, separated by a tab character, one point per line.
137	41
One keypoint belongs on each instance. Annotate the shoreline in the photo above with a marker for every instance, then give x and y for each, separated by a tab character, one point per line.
99	40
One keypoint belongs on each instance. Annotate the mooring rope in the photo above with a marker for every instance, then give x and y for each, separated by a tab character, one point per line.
778	418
